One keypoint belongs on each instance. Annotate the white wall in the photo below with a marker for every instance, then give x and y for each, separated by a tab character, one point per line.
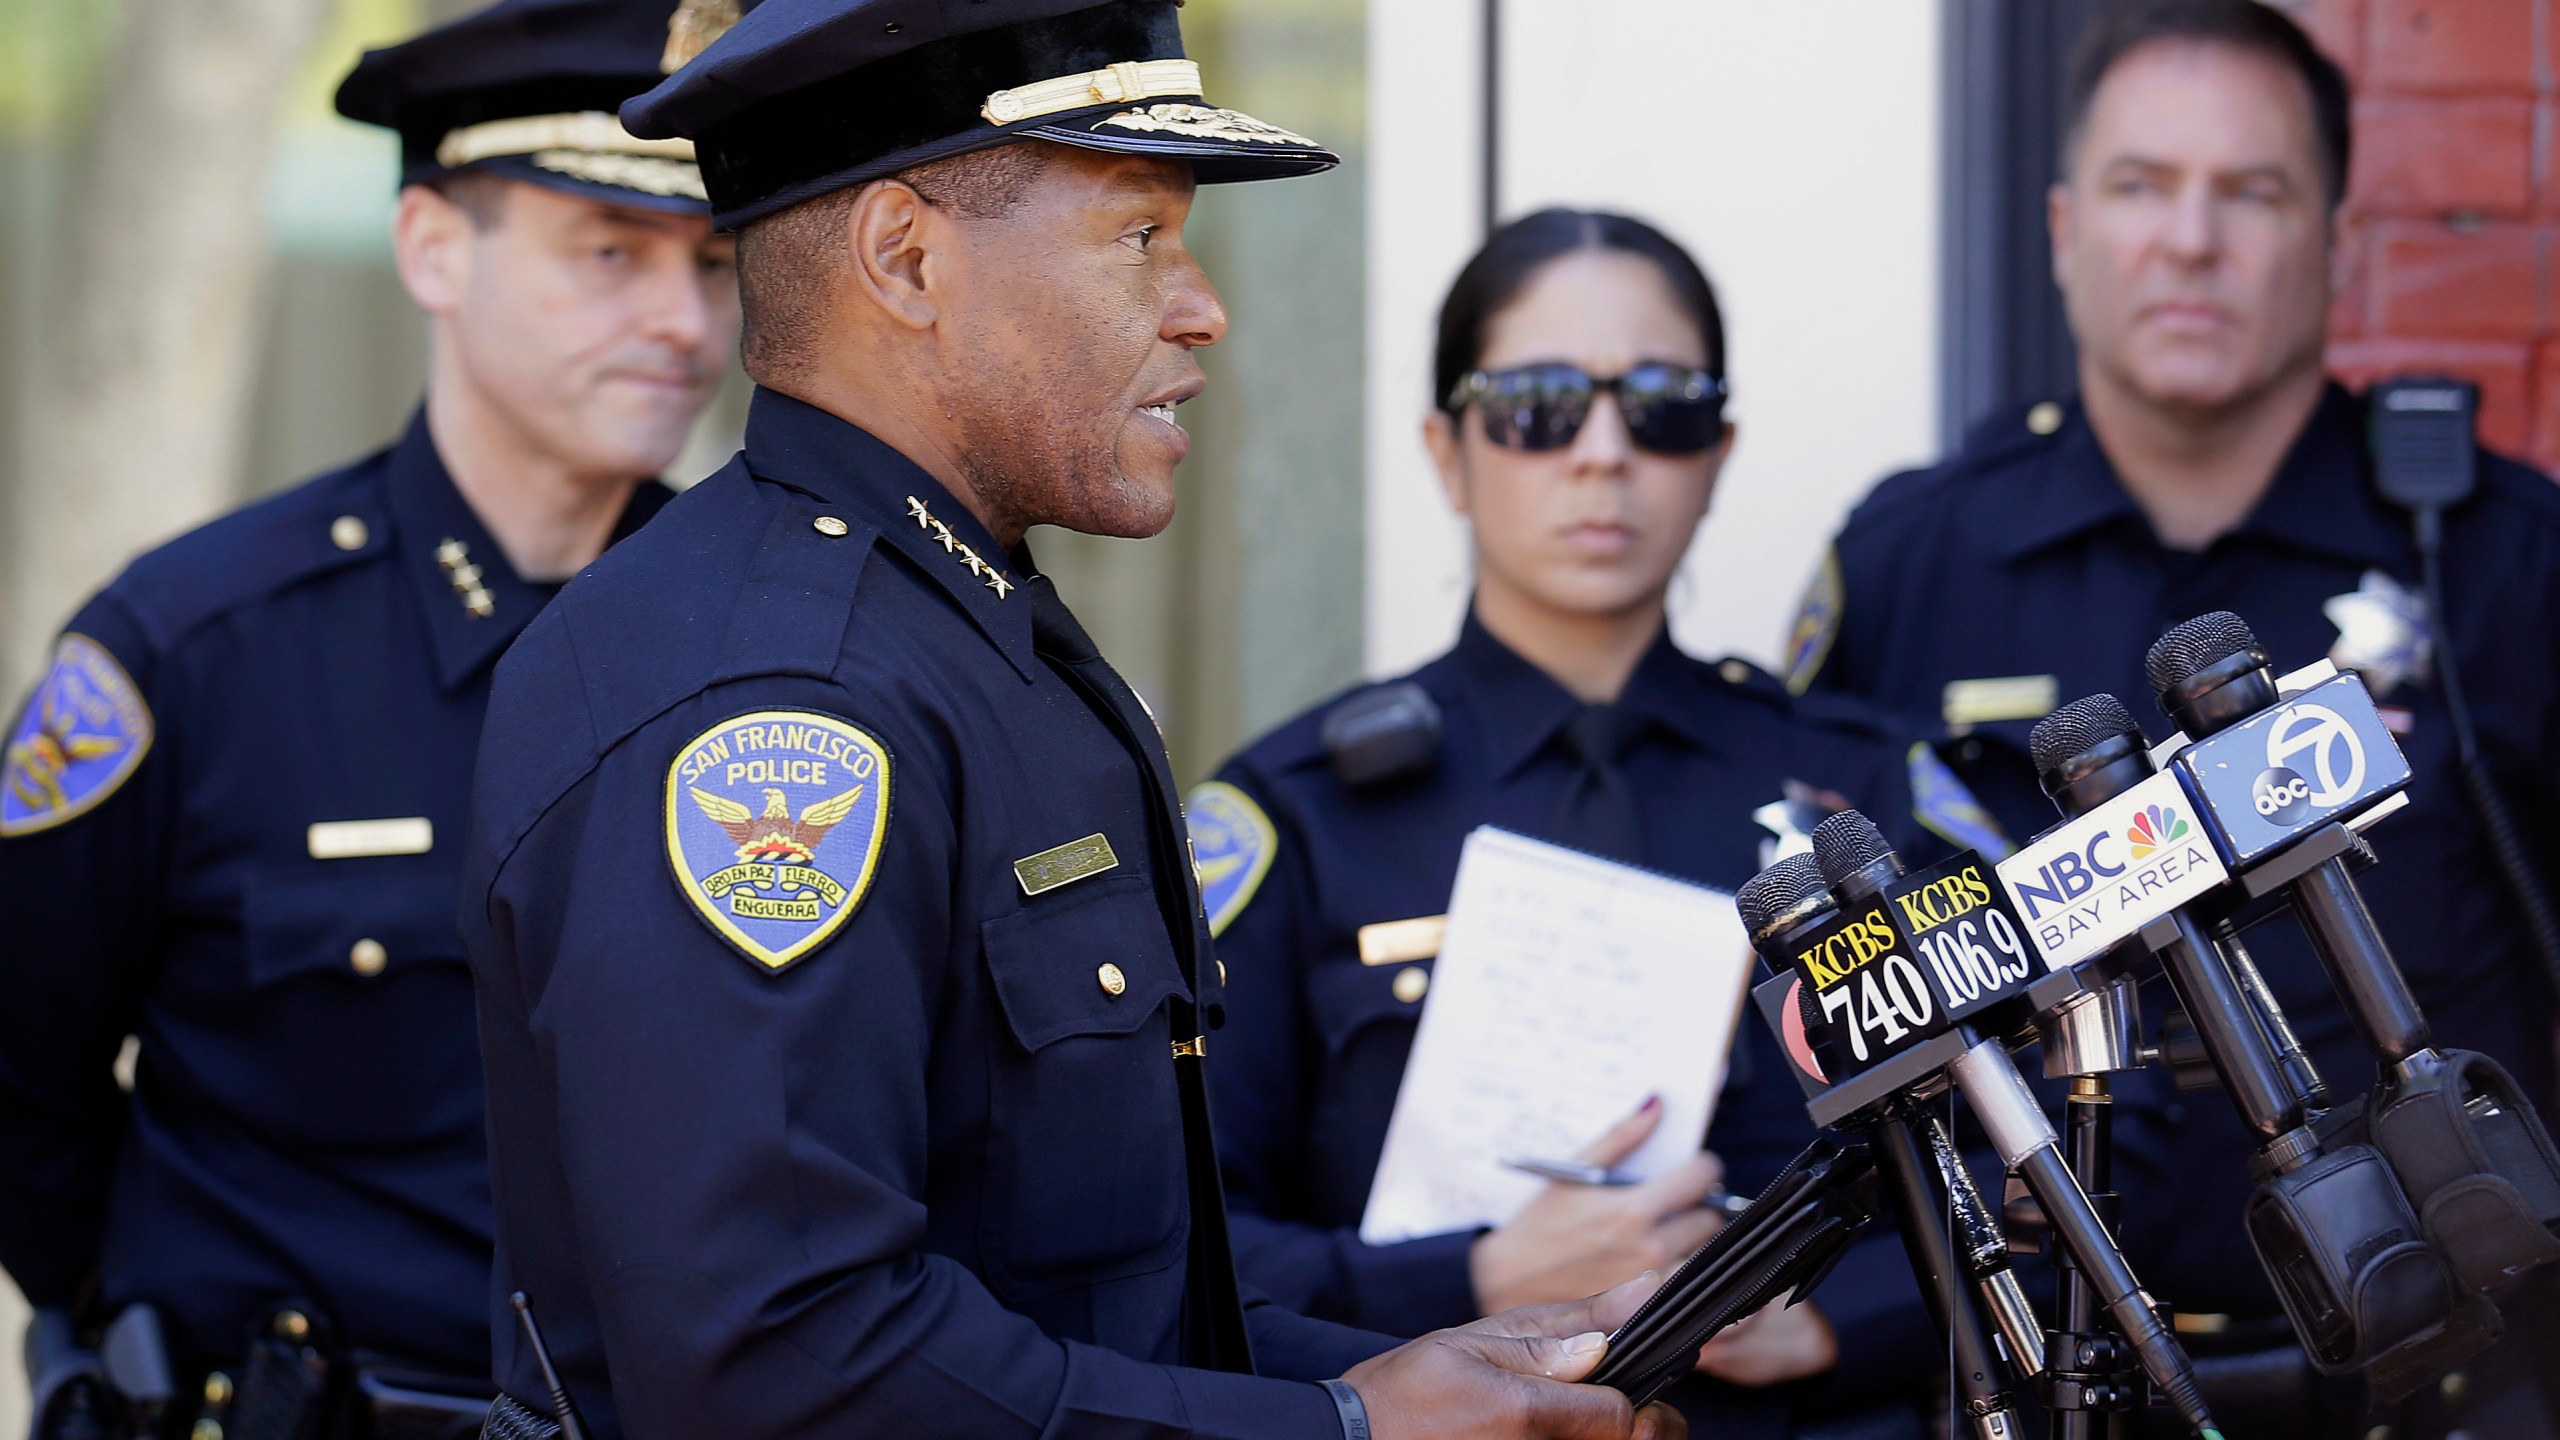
1793	147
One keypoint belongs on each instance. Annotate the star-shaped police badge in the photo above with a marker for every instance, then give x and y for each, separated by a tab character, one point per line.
2382	633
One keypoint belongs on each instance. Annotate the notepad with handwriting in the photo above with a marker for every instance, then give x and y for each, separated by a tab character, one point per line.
1568	989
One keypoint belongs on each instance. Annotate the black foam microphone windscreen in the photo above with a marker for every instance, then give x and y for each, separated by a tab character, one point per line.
2191	645
2078	728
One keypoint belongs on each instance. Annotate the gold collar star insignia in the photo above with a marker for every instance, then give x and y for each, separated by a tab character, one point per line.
952	544
465	577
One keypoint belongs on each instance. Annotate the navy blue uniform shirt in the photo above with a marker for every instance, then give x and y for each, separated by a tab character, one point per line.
1316	1041
2025	557
179	865
842	990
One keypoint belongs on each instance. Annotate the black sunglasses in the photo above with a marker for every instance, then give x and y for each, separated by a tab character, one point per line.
1669	409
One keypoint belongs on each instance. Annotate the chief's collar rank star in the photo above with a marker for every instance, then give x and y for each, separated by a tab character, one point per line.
952	544
455	558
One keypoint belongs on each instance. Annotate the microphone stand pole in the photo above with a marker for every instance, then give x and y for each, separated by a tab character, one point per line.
1921	1201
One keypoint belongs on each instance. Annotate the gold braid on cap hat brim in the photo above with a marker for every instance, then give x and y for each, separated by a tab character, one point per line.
1115	84
648	174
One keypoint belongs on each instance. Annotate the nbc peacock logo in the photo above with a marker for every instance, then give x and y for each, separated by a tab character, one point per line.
2156	826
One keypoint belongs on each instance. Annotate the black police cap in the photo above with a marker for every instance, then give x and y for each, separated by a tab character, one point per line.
800	97
528	89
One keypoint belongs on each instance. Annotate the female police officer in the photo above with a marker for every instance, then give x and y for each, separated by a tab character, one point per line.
1580	431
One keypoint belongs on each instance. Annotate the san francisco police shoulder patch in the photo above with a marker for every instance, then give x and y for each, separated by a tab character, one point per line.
775	821
1232	842
1817	624
84	731
1944	805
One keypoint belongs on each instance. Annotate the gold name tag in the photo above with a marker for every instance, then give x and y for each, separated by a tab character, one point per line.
1064	864
1396	942
2005	697
355	839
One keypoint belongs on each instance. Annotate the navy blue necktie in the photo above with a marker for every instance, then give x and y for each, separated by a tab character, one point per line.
1597	809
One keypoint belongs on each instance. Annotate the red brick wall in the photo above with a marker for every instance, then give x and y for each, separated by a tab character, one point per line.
2453	202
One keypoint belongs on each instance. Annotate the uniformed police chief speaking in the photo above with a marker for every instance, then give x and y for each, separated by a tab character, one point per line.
843	978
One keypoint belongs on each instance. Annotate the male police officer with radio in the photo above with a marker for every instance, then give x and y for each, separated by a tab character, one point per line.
232	813
845	987
2207	464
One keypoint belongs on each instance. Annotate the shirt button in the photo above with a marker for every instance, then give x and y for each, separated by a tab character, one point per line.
348	532
1412	983
1110	978
2045	418
368	957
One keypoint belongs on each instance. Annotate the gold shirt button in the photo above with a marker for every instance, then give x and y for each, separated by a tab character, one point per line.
1113	982
293	1325
206	1429
217	1389
1412	983
367	957
348	532
831	527
2045	418
1734	672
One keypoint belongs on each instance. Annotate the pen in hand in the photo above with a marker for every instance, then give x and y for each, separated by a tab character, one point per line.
1576	1172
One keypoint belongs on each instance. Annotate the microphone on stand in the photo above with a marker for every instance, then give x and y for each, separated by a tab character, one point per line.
1949	1235
1864	871
2329	1220
2277	780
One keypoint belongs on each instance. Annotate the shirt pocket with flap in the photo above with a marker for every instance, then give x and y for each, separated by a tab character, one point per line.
361	1022
1086	1178
353	921
1347	998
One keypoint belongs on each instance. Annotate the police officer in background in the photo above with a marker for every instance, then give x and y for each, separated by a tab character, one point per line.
2207	464
1578	427
232	812
845	988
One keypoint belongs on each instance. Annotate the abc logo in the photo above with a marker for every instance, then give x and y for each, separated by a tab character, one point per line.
2325	737
2281	796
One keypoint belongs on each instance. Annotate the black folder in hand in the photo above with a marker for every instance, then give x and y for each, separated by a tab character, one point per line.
1786	1241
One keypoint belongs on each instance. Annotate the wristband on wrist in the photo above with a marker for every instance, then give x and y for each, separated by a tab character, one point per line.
1346	1404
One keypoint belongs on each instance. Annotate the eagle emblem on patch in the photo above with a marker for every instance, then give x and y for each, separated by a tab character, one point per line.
1232	844
84	731
774	826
